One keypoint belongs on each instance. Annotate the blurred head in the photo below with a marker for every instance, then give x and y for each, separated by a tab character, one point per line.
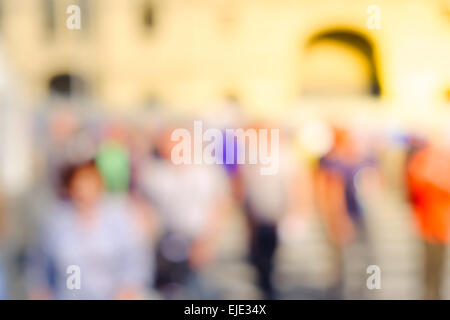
267	127
115	131
164	142
84	185
347	143
63	123
341	137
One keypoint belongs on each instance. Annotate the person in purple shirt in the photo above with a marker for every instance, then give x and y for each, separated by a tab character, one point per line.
337	179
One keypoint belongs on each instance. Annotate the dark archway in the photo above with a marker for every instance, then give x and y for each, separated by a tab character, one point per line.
67	85
361	45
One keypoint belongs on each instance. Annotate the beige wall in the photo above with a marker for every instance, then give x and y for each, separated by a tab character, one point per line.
200	50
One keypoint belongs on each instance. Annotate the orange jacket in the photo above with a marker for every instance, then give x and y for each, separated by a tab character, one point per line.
428	175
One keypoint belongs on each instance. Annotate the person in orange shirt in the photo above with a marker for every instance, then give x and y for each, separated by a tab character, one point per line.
428	180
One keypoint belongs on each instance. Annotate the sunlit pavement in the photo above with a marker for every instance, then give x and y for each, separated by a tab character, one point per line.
303	268
304	265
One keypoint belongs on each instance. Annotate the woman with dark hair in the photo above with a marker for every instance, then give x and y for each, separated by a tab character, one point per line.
89	237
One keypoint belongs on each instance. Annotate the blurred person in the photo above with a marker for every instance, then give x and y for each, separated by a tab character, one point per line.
61	139
91	232
227	116
231	117
192	203
428	181
338	199
113	159
140	147
269	200
118	162
54	129
3	276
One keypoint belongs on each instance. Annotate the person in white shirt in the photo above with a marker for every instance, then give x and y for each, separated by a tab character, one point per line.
191	202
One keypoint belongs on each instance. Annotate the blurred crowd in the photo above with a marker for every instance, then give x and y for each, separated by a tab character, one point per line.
107	198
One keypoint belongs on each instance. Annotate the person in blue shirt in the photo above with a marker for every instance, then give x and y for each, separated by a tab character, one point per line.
95	234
